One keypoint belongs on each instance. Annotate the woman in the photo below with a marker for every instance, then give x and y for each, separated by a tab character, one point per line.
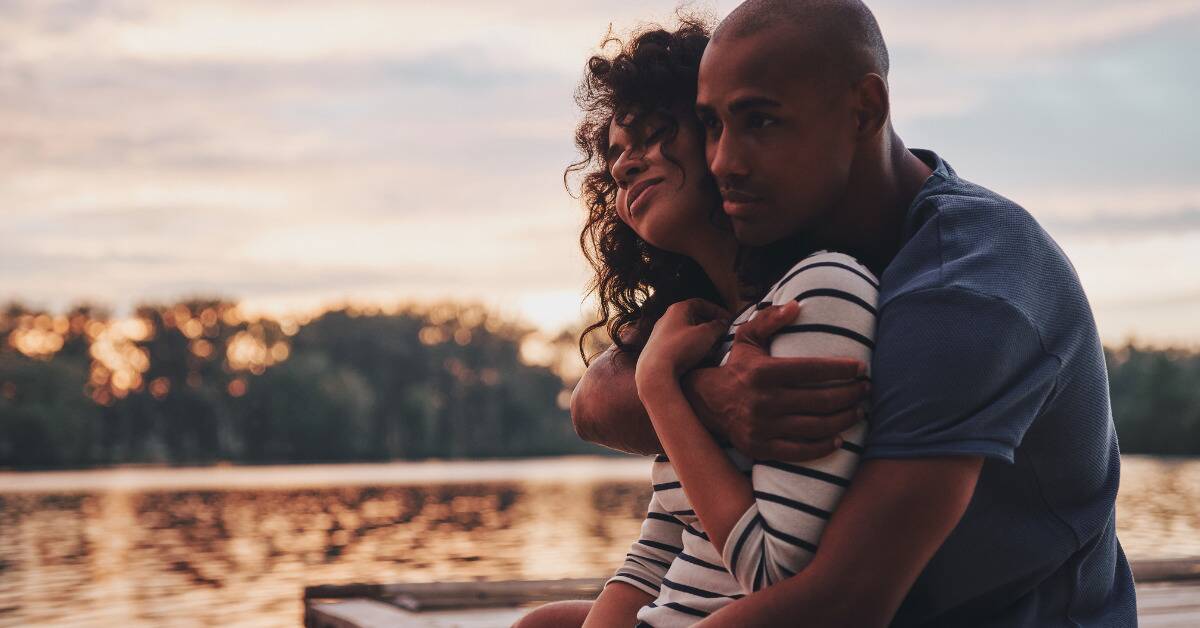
719	525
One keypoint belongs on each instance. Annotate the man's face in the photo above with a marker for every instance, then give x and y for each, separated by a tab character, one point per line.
780	140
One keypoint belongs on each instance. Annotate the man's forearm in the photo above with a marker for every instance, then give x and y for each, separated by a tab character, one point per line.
893	518
606	410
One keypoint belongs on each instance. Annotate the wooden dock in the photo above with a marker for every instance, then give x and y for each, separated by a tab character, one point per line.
1168	594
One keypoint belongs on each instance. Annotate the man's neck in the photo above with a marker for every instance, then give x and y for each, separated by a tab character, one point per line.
868	221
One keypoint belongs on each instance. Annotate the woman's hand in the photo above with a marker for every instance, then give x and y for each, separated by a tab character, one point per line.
681	339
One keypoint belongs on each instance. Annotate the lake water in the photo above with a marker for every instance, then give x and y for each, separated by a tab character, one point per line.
234	546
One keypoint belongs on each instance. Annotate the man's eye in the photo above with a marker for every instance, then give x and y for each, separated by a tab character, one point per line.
656	134
759	120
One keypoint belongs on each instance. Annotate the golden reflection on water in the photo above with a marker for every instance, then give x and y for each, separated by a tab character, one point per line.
1158	507
241	557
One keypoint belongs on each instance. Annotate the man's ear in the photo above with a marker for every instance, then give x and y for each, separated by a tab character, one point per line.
871	105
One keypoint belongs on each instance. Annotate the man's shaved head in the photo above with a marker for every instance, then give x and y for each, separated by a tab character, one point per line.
793	96
841	37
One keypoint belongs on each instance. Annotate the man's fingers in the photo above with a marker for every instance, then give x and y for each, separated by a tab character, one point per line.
826	400
758	330
799	372
792	451
815	428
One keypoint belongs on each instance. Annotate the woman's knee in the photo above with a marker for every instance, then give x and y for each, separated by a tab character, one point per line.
556	615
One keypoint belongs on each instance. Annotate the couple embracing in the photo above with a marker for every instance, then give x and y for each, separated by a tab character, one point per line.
875	390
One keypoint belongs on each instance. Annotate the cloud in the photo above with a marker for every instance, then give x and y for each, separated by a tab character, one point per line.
252	31
1130	224
1113	115
1183	299
295	153
281	280
18	262
1021	29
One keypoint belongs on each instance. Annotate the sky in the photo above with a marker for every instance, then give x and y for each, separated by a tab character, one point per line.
296	155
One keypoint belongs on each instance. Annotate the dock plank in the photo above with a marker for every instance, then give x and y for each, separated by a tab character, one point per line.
1168	597
1169	605
362	613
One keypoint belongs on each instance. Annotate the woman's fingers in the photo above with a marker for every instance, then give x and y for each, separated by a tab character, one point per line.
683	336
710	332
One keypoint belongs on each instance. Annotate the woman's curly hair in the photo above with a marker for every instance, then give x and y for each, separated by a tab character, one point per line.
654	74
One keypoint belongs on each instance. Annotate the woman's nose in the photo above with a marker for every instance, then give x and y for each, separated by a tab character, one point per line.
628	165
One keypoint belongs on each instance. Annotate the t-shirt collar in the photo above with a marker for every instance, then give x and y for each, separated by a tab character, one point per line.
942	174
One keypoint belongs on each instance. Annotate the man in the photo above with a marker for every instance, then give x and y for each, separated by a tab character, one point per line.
987	488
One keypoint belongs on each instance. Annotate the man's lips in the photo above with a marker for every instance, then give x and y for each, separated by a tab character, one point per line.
638	188
737	202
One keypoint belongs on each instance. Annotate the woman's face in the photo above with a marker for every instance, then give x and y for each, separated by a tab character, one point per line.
664	191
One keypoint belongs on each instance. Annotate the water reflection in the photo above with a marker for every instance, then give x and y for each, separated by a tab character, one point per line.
241	556
1158	507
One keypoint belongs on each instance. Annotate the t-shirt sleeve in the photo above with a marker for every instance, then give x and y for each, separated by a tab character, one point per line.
778	535
955	372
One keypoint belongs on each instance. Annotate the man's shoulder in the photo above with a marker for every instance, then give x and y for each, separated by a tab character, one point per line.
974	216
946	192
964	237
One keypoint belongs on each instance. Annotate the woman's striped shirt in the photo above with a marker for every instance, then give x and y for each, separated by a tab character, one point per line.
777	536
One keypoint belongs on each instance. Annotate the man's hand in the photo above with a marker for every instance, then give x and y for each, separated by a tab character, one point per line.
778	408
769	408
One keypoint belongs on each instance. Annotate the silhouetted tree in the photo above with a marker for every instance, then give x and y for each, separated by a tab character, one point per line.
46	418
197	382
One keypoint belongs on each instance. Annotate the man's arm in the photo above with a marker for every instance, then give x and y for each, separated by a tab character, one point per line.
893	518
775	408
605	407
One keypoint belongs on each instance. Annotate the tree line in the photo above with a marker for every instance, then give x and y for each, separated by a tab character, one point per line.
197	382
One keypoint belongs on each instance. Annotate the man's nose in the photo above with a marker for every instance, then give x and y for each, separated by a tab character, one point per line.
725	158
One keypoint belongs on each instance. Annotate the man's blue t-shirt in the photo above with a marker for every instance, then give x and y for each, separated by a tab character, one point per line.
987	346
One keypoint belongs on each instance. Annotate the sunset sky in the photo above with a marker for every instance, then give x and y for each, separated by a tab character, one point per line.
297	154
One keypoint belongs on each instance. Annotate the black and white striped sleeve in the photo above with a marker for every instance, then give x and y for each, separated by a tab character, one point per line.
778	535
651	555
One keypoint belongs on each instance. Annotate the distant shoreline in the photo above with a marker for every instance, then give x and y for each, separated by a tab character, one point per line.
133	478
556	470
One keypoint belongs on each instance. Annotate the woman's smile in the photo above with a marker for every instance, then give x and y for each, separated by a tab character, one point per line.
639	193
